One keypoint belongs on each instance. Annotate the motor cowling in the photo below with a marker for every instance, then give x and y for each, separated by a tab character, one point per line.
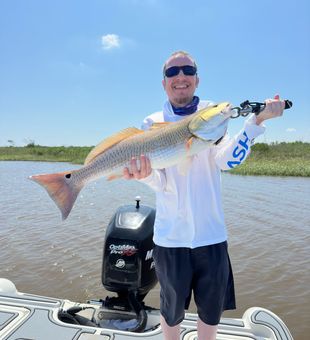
127	254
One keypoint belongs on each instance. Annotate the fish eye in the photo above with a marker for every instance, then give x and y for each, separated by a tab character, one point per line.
68	175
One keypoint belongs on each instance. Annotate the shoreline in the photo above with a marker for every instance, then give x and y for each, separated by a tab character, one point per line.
278	159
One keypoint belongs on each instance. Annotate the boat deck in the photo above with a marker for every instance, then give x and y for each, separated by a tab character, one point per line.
32	317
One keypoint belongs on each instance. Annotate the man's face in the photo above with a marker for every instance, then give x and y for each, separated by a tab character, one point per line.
180	88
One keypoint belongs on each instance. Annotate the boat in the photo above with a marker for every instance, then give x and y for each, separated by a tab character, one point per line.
127	271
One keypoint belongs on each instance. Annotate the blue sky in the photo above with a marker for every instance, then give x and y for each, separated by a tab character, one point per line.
73	72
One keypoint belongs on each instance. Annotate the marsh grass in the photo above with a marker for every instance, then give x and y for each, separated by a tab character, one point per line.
276	159
72	154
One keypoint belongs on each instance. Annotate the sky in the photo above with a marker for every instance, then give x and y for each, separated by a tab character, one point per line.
73	72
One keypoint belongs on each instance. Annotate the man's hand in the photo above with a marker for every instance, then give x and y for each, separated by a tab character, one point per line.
274	108
136	172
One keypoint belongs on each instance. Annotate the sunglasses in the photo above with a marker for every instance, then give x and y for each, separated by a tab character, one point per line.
173	71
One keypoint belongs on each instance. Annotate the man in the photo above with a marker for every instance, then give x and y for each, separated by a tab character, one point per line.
190	237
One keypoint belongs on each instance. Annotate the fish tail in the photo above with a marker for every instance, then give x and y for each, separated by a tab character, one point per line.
61	188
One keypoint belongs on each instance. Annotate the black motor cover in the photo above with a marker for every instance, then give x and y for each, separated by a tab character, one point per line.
127	254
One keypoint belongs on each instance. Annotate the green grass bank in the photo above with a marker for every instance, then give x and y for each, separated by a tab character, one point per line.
276	159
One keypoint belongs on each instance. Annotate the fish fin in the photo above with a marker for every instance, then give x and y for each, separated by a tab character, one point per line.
155	126
112	177
61	189
183	167
111	141
189	143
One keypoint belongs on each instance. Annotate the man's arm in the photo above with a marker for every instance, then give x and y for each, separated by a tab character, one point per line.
141	170
274	108
231	152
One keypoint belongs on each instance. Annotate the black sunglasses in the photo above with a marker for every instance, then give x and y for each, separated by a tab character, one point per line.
173	71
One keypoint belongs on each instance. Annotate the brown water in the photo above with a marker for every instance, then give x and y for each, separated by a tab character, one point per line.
268	220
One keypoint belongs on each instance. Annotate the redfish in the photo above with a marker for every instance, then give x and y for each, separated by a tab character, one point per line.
165	144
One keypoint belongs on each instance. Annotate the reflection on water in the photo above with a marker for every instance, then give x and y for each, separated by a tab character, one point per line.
267	218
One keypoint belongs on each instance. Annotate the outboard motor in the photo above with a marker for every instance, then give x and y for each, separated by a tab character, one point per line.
127	254
128	267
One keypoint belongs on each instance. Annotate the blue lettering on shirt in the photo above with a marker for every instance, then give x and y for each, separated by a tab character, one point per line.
239	151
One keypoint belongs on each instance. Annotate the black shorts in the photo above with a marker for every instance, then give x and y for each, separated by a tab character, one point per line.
204	270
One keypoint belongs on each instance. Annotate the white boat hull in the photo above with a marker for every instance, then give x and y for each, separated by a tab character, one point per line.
27	316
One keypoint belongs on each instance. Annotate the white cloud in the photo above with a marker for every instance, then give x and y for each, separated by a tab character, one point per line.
290	130
110	41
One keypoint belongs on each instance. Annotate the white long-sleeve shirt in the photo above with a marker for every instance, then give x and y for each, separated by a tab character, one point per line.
189	209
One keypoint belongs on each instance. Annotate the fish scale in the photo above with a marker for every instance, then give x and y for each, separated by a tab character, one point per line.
156	147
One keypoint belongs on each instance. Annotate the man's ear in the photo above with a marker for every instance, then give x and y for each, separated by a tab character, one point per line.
197	81
164	83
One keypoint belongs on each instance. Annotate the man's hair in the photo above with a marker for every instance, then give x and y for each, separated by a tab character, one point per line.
176	54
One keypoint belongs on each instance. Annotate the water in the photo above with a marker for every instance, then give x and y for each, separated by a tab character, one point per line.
268	221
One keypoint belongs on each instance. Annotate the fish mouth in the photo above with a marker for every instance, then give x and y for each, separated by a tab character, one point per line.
227	112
